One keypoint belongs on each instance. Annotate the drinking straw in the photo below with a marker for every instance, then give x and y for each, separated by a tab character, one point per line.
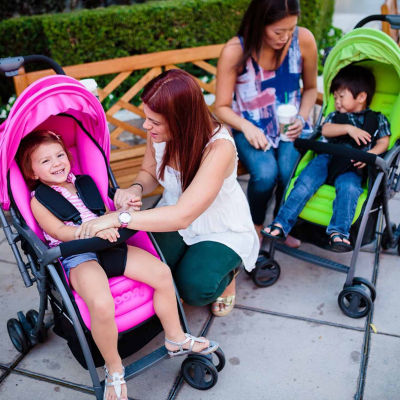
286	98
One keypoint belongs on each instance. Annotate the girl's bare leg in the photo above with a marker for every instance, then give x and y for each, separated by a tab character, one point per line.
144	267
91	283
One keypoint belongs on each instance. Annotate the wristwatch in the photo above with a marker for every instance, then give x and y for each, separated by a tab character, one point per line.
302	120
124	218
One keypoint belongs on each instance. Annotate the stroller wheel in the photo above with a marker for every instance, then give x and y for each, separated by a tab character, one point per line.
221	359
32	317
357	280
267	270
354	301
199	372
17	335
385	243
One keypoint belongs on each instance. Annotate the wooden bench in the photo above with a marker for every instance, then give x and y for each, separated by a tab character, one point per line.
390	7
126	159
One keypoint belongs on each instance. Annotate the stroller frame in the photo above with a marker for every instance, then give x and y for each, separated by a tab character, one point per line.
358	294
26	331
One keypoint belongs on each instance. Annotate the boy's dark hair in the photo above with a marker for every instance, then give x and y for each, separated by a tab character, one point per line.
356	79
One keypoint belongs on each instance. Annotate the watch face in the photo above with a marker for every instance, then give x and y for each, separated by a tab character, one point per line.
124	217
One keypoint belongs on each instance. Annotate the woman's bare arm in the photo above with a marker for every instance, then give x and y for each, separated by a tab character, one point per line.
217	164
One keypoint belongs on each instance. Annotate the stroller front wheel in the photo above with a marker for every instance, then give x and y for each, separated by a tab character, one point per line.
266	271
354	301
199	372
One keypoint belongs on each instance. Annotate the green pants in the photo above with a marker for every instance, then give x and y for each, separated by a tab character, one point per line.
201	271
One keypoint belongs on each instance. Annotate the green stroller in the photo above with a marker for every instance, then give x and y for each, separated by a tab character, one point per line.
376	51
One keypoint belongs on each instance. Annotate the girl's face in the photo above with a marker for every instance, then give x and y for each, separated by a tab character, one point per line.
280	32
50	164
156	125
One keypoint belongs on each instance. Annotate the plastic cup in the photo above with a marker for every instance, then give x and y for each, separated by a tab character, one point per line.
287	114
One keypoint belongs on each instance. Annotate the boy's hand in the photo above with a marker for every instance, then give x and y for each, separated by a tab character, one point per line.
110	234
359	164
359	135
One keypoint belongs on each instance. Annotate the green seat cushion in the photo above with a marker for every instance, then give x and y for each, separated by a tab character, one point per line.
319	208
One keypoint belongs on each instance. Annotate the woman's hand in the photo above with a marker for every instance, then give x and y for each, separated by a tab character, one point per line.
96	225
295	129
130	198
255	136
110	234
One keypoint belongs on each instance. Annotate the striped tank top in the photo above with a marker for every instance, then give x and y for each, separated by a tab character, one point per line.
258	92
75	200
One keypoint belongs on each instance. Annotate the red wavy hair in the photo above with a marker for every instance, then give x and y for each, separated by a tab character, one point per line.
178	98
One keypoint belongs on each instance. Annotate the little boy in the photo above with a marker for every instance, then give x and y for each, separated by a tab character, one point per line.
352	124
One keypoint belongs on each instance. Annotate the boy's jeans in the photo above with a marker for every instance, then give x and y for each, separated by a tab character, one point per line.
348	190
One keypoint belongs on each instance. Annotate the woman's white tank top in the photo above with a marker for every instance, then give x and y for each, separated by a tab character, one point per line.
227	220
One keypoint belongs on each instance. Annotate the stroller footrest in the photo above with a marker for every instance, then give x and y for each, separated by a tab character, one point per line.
312	258
145	362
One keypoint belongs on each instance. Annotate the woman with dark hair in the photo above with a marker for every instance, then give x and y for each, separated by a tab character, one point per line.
258	70
202	223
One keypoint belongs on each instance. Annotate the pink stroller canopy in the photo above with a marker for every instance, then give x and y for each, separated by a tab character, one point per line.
48	97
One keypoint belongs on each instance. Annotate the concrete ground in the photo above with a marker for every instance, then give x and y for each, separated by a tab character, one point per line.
288	341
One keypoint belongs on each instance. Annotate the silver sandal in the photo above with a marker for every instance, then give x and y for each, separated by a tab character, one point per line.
117	380
192	339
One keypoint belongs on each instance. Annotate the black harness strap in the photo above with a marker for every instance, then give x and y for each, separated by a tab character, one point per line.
339	166
58	205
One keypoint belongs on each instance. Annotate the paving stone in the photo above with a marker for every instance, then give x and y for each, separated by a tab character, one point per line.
21	387
386	311
304	289
275	358
382	380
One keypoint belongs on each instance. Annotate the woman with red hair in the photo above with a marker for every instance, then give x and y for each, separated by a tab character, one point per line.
202	223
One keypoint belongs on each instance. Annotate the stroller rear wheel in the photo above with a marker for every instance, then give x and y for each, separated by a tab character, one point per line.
267	270
221	359
32	317
18	336
385	243
199	372
355	301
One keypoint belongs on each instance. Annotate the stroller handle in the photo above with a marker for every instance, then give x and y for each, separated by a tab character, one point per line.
341	151
9	66
392	19
78	246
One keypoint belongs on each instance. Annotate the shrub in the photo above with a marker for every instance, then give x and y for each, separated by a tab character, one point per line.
117	31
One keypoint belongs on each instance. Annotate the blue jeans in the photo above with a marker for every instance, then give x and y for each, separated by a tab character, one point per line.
267	170
348	190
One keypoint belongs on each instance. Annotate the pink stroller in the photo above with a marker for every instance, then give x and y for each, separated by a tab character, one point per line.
62	104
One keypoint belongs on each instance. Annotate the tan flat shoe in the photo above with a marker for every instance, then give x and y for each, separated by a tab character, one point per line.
228	302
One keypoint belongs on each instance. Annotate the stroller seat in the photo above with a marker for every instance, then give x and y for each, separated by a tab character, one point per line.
386	100
377	52
133	300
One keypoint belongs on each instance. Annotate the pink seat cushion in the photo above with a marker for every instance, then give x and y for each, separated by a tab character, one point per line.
133	300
